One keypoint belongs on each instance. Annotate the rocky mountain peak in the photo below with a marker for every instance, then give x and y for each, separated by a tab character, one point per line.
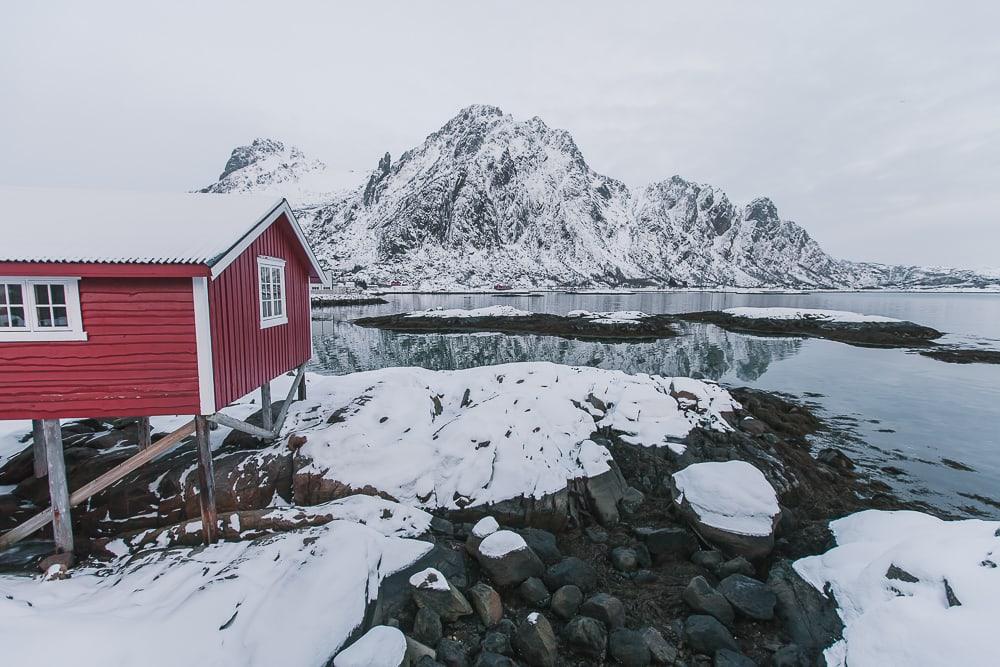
244	156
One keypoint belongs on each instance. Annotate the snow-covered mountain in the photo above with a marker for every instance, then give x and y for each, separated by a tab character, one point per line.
489	199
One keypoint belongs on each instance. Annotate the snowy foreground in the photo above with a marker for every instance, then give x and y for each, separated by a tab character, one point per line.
287	599
814	314
912	589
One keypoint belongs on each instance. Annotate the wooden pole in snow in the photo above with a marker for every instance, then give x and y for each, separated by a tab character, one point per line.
145	434
38	448
266	417
62	528
206	481
302	386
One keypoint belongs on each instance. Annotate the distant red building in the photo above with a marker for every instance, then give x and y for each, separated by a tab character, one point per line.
129	304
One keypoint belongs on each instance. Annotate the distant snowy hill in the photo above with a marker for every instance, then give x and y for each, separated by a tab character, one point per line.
489	199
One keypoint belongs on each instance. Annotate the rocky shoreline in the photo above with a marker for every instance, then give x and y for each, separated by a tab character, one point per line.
323	301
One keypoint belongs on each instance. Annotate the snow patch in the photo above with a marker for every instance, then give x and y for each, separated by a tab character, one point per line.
501	543
485	526
488	311
429	579
805	314
733	496
382	646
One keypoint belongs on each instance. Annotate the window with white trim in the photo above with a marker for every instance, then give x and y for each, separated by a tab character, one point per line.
271	283
40	309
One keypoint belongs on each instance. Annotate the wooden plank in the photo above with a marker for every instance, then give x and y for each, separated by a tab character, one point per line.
266	417
240	425
302	389
38	449
62	528
161	446
145	433
206	481
280	421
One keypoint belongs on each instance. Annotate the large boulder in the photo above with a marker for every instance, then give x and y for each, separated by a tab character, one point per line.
571	571
750	597
432	590
705	634
669	542
535	641
810	618
729	504
700	596
507	559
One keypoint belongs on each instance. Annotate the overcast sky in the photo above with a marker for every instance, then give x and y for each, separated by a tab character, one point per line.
875	125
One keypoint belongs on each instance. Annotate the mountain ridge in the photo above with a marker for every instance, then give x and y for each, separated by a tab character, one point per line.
488	199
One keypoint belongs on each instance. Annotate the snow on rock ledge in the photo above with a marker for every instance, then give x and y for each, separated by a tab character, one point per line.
730	504
488	311
806	314
912	589
612	317
382	646
457	439
287	599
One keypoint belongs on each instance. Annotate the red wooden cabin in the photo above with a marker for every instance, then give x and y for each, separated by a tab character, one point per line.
129	304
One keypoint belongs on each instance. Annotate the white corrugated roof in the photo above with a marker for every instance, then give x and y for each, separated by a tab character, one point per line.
70	225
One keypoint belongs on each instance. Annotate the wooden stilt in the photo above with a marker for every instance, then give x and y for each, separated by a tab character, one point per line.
296	383
62	528
145	434
266	417
38	448
206	481
302	389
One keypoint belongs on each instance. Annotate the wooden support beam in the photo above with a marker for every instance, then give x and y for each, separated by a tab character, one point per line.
266	417
238	424
161	446
62	528
302	388
206	481
145	433
299	378
38	449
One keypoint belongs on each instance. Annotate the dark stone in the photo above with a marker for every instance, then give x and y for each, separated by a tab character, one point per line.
427	627
642	556
660	649
449	604
835	458
603	493
596	534
535	642
624	559
415	651
631	501
791	655
452	653
669	542
900	574
487	604
705	634
442	526
749	596
708	559
533	591
629	648
496	642
490	659
506	626
724	657
809	617
566	601
738	565
587	636
573	571
605	608
701	597
543	543
427	661
513	567
645	577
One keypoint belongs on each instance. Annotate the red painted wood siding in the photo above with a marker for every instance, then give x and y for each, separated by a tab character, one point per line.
140	358
244	356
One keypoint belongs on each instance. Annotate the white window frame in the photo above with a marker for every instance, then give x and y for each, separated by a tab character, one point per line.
272	320
33	332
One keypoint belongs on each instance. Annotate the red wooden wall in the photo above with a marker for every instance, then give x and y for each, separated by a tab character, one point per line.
140	358
244	356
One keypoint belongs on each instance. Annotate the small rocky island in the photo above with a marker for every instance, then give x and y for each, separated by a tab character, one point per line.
579	324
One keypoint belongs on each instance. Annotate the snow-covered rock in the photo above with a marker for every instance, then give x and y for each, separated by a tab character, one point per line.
815	314
507	558
488	311
490	199
912	589
292	598
730	504
614	317
382	646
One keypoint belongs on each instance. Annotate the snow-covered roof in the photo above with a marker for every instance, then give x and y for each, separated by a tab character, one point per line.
77	225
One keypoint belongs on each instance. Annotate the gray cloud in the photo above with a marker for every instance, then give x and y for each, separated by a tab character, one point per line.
872	124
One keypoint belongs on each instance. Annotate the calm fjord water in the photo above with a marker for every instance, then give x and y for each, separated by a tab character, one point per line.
916	422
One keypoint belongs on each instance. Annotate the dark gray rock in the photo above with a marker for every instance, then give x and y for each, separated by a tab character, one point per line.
705	634
573	571
835	458
415	651
624	559
725	657
452	653
642	556
810	618
671	542
535	641
533	591
738	565
748	596
631	501
605	608
587	636
700	596
427	661
707	558
662	651
791	655
511	568
496	642
442	526
487	604
490	659
427	627
543	543
596	534
506	626
628	648
566	601
449	604
603	493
